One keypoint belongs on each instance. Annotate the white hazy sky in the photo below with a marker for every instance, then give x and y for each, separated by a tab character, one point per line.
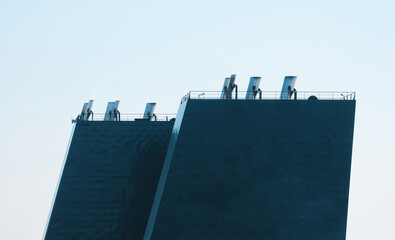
55	55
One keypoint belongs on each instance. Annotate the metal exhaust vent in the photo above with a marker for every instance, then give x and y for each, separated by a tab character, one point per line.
149	111
112	113
229	85
86	111
288	87
253	87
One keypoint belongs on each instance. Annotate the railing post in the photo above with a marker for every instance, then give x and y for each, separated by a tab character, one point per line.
236	91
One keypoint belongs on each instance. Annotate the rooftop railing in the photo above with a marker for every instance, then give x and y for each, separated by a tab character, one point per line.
128	117
272	95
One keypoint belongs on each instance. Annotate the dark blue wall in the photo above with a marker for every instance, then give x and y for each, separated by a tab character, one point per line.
256	170
109	180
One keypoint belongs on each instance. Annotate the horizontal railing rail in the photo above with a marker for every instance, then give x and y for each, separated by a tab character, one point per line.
129	117
272	95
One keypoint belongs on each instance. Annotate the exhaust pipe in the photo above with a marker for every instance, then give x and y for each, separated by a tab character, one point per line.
253	87
225	88
86	111
112	112
288	87
149	111
229	85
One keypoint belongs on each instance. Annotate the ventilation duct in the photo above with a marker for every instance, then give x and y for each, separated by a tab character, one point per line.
229	85
86	110
288	87
112	113
225	88
149	111
253	87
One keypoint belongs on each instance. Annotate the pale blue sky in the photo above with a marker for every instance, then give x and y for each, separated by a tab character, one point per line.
55	55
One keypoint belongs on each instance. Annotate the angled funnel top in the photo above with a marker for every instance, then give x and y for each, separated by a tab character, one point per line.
225	88
86	110
112	111
149	110
253	87
288	87
229	85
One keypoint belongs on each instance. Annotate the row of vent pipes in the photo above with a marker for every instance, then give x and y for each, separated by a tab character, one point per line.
253	89
112	113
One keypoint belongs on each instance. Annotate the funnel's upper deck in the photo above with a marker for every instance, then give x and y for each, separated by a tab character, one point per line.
130	117
272	95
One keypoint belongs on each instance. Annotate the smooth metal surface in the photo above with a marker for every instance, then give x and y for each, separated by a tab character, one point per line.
111	111
253	87
84	107
232	80
88	111
149	110
110	106
288	87
225	88
229	85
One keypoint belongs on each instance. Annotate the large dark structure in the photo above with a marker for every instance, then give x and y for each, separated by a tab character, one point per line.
109	180
233	165
248	169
